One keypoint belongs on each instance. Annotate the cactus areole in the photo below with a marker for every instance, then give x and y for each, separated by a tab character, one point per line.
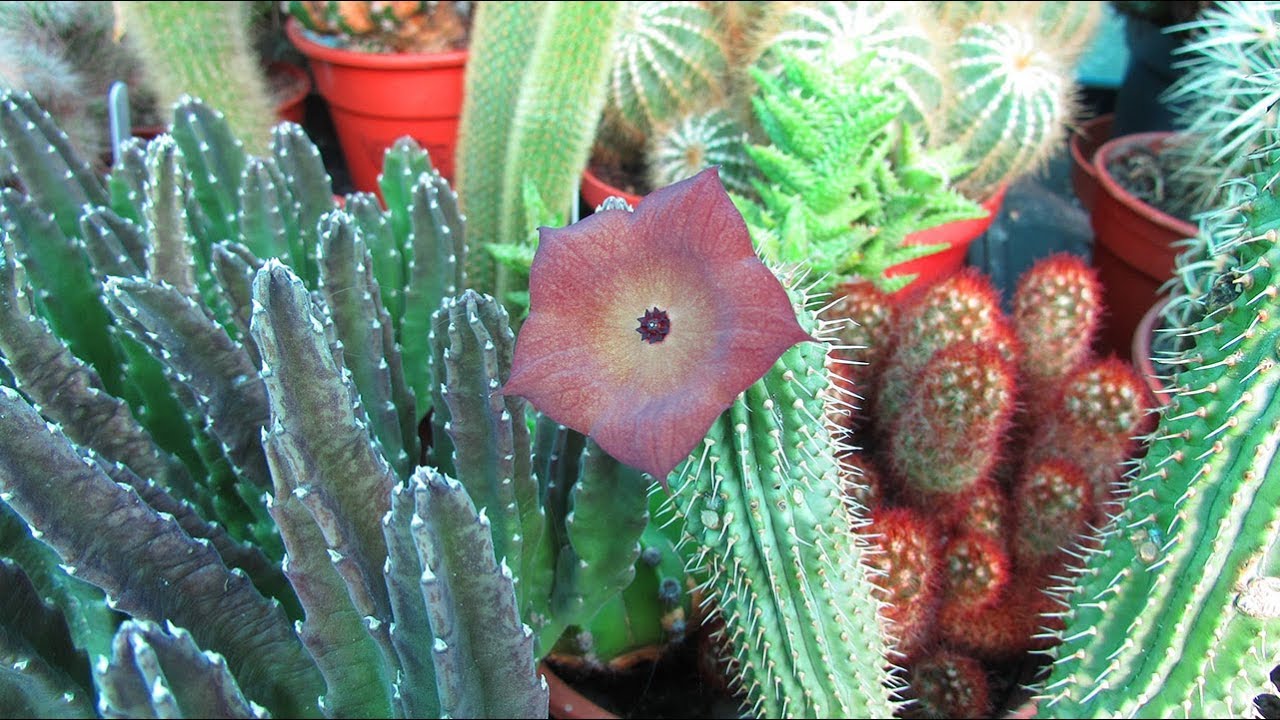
712	319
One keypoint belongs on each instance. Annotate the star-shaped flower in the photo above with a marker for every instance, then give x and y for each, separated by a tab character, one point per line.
644	326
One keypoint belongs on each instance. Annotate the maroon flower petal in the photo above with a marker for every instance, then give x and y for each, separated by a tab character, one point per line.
685	253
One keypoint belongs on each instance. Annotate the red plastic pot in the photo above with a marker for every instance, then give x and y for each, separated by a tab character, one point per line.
1084	143
594	191
1133	249
958	235
376	98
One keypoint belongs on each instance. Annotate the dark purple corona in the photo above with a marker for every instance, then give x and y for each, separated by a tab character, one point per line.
654	326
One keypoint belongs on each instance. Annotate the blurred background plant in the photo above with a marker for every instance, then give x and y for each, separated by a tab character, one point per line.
386	27
67	55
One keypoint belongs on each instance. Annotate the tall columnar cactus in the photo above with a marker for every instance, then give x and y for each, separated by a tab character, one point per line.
534	92
204	49
1009	103
763	523
307	553
1174	613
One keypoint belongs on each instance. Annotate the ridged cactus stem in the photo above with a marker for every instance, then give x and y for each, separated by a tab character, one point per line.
768	531
1177	611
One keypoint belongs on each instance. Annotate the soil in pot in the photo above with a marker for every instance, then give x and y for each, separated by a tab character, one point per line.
669	687
1144	172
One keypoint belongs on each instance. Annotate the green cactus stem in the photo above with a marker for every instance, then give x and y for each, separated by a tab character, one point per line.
765	519
1175	611
205	50
532	118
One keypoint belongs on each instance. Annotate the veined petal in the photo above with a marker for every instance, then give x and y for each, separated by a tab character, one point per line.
684	253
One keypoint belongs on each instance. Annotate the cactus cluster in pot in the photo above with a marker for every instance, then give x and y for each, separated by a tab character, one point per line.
988	442
993	78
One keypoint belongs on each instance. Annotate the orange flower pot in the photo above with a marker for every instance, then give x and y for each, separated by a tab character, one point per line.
376	98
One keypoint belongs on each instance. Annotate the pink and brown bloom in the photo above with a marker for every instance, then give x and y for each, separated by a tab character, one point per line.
644	326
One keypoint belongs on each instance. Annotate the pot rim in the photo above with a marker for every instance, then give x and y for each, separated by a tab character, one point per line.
1154	140
350	58
1140	351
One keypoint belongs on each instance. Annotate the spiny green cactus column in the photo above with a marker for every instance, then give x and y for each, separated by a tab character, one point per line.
768	531
1177	611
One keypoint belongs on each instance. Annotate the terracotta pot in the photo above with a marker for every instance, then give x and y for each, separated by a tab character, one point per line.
1082	145
929	269
1133	246
1142	353
376	98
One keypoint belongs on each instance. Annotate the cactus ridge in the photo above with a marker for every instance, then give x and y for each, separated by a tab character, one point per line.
698	140
1176	603
763	516
668	55
1011	102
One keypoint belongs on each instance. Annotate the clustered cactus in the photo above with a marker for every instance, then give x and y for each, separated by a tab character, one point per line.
990	442
387	27
236	373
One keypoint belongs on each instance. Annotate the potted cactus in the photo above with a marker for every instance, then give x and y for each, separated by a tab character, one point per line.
386	70
669	114
1152	185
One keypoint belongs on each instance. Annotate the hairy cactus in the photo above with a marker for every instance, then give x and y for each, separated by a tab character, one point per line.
909	574
1056	310
517	126
65	55
204	49
948	434
1172	612
962	307
387	27
949	684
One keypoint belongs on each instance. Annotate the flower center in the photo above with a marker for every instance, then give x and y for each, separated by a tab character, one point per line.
654	326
